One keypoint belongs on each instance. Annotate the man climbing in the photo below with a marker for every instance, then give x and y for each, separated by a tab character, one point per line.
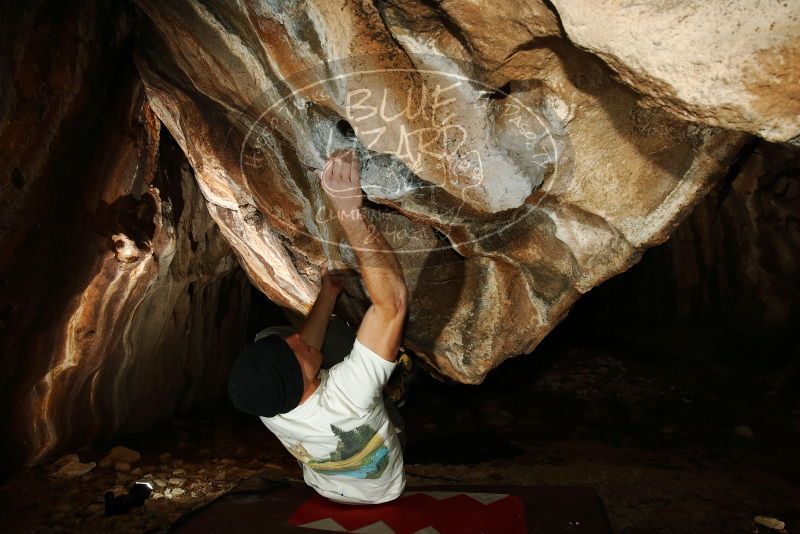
335	421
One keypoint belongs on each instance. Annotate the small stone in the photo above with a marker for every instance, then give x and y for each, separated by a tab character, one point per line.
94	508
123	478
179	472
204	451
770	522
122	466
75	469
177	463
183	445
164	457
178	491
221	475
67	459
160	483
744	431
120	455
177	481
137	471
228	461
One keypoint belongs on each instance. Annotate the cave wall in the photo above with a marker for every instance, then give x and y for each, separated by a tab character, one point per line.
730	269
137	171
120	302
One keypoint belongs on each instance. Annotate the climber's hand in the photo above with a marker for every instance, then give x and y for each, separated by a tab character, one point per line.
342	183
331	282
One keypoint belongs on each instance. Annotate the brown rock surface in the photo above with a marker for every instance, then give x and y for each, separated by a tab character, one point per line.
731	64
507	190
512	177
119	299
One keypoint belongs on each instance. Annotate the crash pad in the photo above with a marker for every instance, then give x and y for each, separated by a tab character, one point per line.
268	503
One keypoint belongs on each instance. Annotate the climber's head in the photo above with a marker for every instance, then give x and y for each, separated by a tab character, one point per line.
309	358
271	375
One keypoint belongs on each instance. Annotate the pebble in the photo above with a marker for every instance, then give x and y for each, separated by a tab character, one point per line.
95	508
122	466
177	481
744	431
120	455
770	522
204	451
164	457
173	492
228	461
137	471
160	483
75	469
179	472
67	459
177	463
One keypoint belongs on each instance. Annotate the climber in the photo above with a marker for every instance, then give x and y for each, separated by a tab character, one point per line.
335	421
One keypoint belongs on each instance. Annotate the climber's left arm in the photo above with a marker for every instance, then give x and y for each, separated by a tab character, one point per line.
316	323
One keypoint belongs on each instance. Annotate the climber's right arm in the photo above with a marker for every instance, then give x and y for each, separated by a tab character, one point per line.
382	326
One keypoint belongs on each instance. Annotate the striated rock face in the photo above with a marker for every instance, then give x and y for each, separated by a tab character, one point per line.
731	64
120	302
507	167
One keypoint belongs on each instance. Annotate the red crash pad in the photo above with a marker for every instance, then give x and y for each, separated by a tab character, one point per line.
264	503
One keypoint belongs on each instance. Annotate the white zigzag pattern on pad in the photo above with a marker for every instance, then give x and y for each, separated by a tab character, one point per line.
483	498
375	528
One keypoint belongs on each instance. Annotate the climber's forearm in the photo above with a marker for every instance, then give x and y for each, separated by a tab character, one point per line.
316	323
380	268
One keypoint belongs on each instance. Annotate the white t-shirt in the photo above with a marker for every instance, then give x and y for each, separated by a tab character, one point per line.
342	435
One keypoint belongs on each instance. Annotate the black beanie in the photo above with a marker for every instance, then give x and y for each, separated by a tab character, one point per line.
266	379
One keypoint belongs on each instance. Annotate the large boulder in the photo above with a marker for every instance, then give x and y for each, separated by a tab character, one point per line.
507	167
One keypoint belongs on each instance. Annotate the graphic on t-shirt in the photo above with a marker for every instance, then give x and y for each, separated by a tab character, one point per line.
360	453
